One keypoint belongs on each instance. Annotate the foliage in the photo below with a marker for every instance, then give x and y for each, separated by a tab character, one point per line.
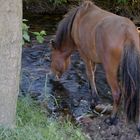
39	36
26	34
33	124
122	1
58	2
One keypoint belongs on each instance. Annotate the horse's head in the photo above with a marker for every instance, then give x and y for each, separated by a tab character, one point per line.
63	45
59	60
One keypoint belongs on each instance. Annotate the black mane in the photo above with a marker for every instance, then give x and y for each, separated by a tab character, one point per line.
64	28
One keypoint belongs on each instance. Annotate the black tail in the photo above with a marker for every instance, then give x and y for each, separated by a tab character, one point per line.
130	80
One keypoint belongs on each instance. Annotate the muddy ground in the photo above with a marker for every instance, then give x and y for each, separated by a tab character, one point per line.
71	95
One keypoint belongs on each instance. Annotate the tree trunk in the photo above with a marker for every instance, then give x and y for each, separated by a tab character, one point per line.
10	58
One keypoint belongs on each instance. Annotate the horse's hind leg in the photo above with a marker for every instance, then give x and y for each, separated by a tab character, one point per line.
111	75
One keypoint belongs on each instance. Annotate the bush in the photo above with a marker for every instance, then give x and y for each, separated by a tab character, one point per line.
58	2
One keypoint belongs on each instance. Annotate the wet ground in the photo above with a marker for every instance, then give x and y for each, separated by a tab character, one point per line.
71	95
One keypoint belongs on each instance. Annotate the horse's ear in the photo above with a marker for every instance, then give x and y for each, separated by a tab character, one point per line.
52	43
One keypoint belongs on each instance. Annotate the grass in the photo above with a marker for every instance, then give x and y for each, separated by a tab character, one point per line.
32	124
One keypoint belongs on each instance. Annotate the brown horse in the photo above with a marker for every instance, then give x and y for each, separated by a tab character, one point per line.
102	37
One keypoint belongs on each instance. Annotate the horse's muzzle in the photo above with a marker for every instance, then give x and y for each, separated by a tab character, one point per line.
54	76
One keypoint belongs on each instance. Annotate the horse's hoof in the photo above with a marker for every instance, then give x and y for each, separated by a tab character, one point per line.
111	121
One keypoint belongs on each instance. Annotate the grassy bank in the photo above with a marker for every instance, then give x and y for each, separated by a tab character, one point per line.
32	124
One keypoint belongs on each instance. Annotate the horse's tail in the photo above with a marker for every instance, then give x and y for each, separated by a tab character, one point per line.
130	79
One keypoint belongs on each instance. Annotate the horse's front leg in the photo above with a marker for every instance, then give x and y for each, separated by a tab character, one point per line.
90	71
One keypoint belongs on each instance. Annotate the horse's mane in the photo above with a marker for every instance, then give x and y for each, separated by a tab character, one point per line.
65	26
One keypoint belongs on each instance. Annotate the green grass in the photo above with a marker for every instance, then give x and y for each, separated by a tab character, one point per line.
32	124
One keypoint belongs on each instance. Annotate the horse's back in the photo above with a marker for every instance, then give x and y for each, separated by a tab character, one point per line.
110	26
86	24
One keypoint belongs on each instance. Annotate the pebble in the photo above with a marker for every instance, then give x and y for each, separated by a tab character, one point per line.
114	130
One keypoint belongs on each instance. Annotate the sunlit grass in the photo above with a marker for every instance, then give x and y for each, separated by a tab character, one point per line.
32	124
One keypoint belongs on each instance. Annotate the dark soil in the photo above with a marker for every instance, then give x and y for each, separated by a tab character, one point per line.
96	129
71	95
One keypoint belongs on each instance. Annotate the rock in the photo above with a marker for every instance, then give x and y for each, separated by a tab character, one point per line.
104	109
114	130
103	132
124	137
75	103
82	109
